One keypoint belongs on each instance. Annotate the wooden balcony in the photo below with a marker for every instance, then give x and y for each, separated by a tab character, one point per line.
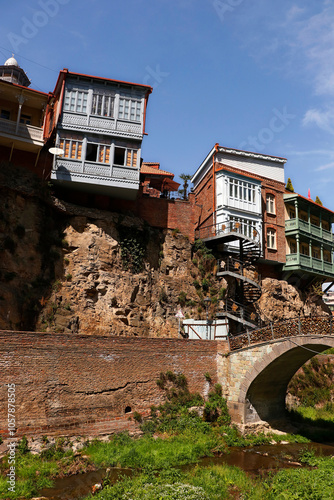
300	262
308	229
121	182
22	132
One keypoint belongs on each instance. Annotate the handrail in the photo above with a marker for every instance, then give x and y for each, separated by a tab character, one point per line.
226	227
241	311
230	264
283	329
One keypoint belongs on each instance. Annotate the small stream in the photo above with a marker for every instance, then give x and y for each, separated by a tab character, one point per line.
257	460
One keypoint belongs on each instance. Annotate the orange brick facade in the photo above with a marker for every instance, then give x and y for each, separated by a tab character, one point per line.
70	385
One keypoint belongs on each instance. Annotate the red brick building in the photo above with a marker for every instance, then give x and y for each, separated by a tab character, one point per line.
247	188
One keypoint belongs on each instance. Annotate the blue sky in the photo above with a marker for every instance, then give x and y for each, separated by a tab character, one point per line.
251	75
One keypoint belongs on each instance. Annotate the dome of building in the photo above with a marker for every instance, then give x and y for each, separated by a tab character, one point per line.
11	61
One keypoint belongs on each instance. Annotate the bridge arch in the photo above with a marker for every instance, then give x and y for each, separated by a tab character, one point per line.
263	388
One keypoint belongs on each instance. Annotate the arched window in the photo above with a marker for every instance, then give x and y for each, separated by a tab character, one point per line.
270	202
271	239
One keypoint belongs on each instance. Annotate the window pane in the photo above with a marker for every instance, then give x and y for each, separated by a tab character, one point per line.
119	156
91	152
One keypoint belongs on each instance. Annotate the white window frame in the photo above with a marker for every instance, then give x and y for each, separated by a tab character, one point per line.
76	101
270	204
100	147
129	109
133	154
242	190
271	239
103	105
71	142
247	225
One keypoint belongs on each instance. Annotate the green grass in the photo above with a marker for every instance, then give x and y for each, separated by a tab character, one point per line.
202	483
122	451
310	484
32	474
220	482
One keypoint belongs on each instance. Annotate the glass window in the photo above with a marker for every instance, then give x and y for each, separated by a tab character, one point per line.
270	199
25	119
5	114
123	156
271	239
129	109
103	105
241	190
72	149
304	249
76	100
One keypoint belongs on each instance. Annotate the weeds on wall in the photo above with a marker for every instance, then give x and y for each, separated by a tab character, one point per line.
133	244
205	281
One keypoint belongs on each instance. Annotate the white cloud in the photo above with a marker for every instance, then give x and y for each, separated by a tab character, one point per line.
327	166
323	119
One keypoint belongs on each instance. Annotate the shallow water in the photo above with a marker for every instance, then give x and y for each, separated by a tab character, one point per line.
256	460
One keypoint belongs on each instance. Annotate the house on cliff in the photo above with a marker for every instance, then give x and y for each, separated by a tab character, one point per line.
99	124
257	229
309	241
246	190
22	114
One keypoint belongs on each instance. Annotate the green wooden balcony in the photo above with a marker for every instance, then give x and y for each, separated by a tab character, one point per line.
308	229
300	262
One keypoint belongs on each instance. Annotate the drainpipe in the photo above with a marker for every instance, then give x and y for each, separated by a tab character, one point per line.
214	187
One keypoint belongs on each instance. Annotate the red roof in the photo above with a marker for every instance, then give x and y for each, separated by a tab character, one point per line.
310	201
65	70
148	169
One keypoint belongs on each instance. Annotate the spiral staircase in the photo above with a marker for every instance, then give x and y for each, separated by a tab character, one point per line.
238	264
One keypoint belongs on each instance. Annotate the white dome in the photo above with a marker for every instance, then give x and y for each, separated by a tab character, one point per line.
11	62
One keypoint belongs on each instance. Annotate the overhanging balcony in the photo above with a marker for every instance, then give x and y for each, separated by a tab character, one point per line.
300	262
316	232
112	180
21	132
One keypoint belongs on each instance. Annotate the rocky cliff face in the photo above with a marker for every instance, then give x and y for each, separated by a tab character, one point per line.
66	268
279	300
120	277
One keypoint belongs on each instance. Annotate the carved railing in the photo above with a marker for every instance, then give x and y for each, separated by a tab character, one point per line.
317	325
34	134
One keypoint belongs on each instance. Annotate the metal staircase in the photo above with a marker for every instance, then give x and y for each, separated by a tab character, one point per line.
239	265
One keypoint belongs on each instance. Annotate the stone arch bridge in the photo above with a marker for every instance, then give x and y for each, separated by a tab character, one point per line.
259	365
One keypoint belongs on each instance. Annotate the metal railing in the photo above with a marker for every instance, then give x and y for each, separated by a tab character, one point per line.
317	325
230	264
227	228
246	313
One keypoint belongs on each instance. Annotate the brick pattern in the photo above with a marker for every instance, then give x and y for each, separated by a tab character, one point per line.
68	384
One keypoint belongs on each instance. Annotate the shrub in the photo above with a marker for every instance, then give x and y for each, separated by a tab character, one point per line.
182	299
137	417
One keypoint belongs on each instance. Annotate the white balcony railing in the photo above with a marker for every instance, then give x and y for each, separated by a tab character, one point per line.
23	132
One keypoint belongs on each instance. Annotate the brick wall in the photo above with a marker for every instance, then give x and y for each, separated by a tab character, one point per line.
67	385
204	198
161	213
